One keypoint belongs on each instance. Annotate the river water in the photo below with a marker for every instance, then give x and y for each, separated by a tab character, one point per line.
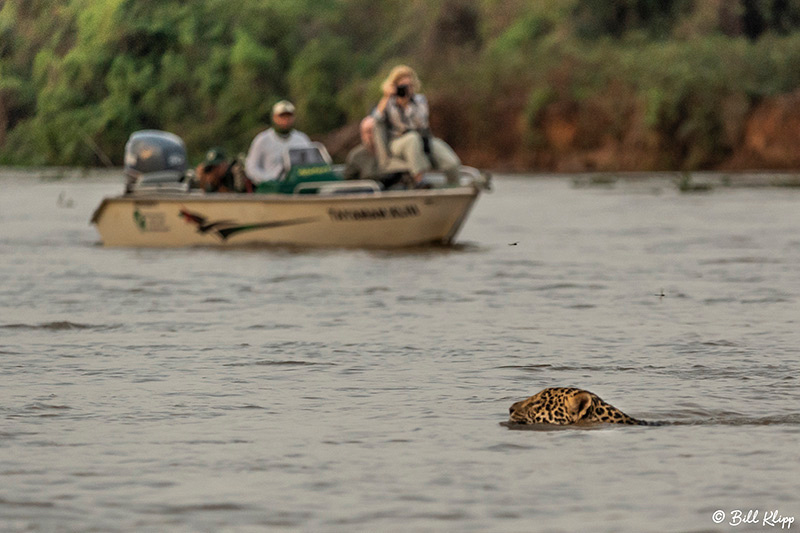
329	390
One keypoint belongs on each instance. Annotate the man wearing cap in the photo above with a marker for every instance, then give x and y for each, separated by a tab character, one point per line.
215	173
265	158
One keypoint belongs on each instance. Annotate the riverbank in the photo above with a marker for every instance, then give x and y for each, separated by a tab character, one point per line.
593	136
575	86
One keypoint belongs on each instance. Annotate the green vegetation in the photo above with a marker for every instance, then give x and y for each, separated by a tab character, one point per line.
511	82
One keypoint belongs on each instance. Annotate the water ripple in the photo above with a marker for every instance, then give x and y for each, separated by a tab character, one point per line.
280	363
61	326
202	507
25	503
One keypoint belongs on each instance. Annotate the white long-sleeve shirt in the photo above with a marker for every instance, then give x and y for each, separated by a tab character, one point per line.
264	160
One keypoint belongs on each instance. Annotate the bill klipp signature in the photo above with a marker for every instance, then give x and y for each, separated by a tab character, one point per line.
739	517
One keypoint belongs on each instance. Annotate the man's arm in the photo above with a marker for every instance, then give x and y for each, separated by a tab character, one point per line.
254	163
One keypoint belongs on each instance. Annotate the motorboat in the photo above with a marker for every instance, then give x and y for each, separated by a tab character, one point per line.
311	206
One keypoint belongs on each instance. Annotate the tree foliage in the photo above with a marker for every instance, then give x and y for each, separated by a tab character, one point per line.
78	76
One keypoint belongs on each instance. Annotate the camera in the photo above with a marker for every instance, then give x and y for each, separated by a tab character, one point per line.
402	91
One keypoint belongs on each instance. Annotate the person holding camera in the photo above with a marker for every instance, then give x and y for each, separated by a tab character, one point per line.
404	113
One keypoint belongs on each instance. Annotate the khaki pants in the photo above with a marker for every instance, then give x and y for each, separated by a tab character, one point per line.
409	147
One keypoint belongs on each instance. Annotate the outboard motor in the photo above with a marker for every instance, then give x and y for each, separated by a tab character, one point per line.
155	159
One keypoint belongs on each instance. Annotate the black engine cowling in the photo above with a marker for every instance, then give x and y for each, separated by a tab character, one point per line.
154	156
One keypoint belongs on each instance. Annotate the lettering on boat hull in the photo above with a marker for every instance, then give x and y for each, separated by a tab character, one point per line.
376	213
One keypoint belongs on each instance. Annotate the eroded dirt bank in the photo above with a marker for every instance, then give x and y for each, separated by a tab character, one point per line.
612	135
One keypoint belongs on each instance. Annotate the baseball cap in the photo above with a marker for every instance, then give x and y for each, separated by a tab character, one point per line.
215	156
284	106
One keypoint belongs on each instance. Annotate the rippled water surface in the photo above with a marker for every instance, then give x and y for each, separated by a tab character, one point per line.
328	390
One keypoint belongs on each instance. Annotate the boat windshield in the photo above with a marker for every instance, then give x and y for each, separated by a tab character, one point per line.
306	156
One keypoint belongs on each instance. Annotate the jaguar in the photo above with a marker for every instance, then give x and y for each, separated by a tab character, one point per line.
569	405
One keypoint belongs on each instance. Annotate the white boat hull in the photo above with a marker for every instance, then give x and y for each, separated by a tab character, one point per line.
365	220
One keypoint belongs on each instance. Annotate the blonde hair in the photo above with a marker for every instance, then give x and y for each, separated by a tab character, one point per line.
401	71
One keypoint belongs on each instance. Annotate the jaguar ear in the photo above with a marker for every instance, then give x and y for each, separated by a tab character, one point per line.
580	404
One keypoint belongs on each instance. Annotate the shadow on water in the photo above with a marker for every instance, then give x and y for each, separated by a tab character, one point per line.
718	419
288	250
